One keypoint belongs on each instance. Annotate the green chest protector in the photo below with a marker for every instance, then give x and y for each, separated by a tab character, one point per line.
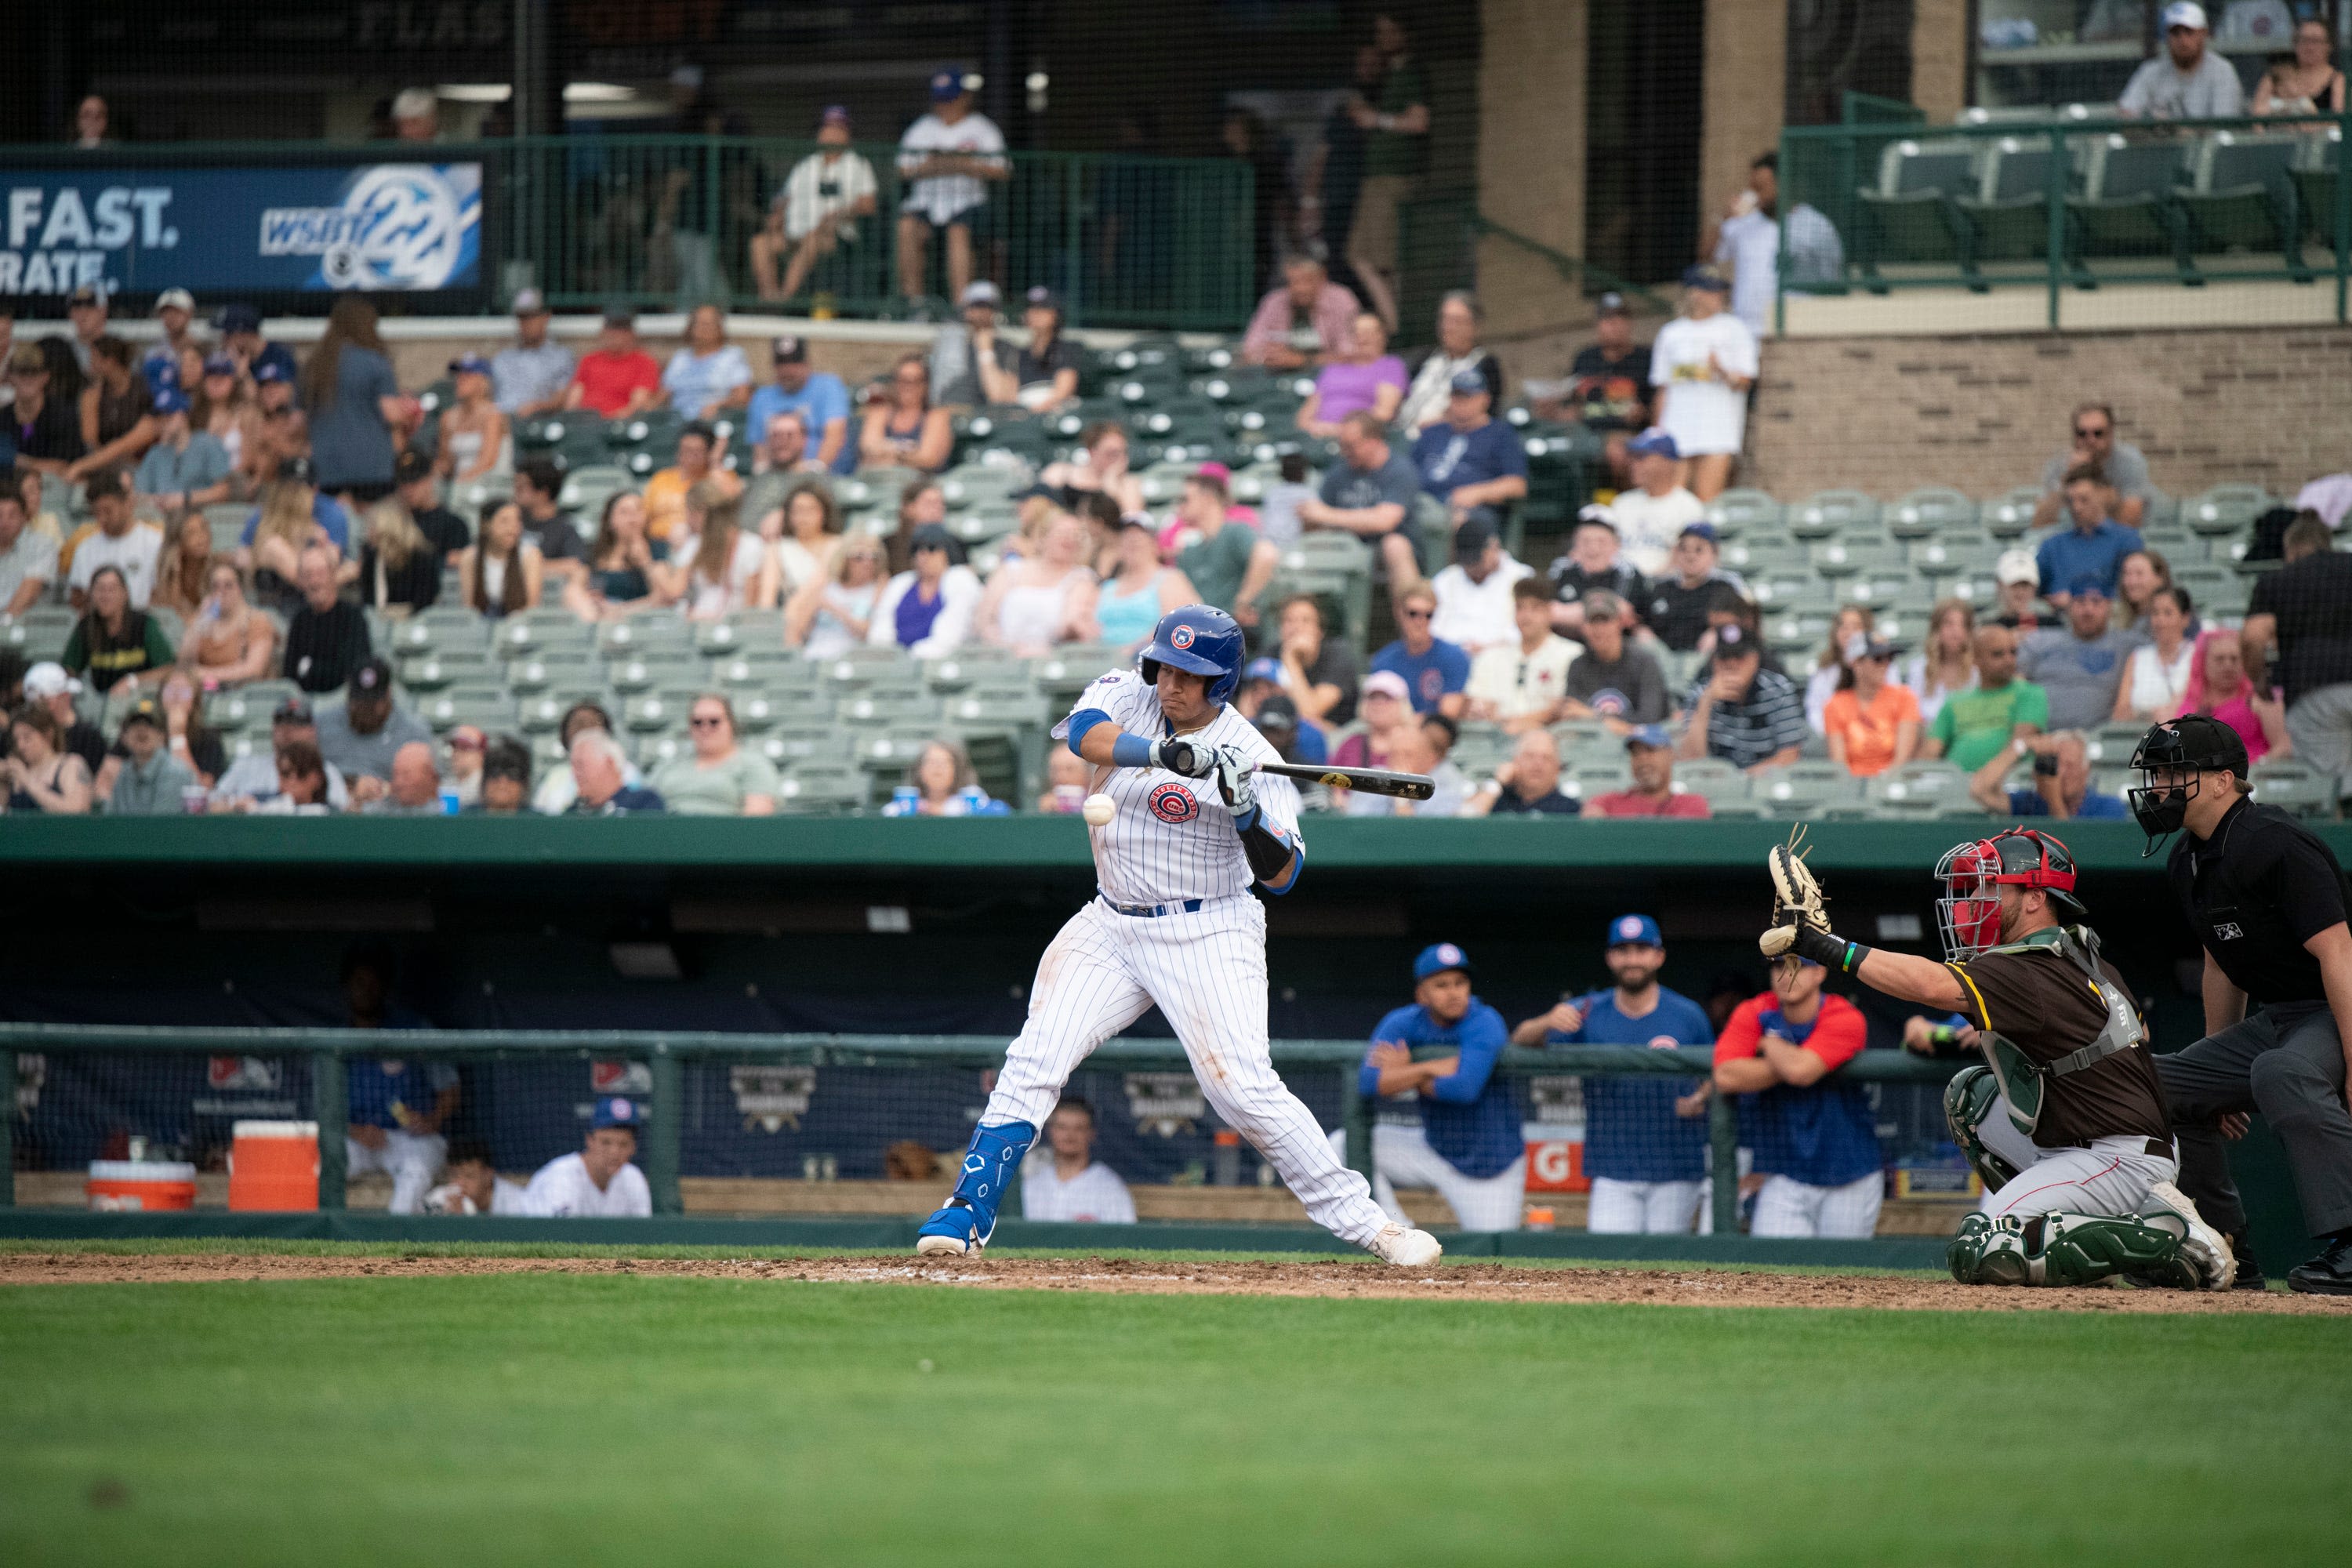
2025	1082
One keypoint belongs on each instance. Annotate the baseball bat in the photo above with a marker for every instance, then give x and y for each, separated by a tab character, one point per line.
1372	781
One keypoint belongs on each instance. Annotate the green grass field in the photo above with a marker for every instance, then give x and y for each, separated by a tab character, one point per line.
594	1419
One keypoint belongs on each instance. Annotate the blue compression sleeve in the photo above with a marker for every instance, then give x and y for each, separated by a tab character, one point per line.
1084	719
1482	1043
1130	752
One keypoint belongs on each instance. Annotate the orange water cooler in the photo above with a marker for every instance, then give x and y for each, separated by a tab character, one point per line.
274	1165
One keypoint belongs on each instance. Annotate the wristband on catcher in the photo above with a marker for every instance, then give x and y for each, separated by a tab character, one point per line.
1829	950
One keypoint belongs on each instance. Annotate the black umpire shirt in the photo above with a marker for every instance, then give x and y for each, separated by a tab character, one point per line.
2255	893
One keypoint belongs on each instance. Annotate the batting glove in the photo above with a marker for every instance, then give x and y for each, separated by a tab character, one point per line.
1191	758
1236	778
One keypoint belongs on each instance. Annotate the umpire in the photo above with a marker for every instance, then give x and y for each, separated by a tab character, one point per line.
2266	899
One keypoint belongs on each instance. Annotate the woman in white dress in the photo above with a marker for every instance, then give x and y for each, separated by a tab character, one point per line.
827	616
1949	662
720	567
1038	600
2156	678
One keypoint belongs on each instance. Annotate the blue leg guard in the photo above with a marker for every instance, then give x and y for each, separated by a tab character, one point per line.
969	1219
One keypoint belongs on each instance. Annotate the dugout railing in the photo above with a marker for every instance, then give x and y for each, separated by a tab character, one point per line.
82	1091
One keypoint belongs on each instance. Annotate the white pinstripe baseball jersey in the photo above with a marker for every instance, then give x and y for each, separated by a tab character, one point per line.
1172	838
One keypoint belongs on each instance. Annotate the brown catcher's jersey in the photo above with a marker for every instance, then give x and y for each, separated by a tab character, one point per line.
2036	997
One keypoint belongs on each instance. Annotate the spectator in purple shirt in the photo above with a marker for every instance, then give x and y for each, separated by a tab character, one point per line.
1365	379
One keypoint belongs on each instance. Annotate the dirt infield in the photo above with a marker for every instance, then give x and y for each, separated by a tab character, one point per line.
1667	1286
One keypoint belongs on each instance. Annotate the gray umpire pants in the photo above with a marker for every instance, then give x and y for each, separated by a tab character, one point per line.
2286	1062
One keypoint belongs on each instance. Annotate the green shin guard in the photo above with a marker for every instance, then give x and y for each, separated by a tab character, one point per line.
2070	1249
1969	1098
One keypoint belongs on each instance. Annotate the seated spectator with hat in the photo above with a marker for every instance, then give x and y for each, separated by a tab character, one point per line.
1650	757
252	779
146	779
618	378
531	374
818	397
1617	681
327	639
1468	1145
957	352
1608	385
1519	684
596	1181
1435	672
820	206
1680	604
185	468
1387	710
476	439
2080	666
1470	460
1703	363
1595	559
49	687
363	735
1475	594
1041	374
1526	786
2017	581
1741	712
1872	723
241	339
947	160
1416	748
174	314
1652	514
927	608
2093	546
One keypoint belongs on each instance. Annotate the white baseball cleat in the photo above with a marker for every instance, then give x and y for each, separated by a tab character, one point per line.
2206	1249
1406	1248
941	1247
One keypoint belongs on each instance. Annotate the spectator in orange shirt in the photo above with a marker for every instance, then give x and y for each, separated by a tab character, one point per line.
1872	724
666	492
1650	753
616	378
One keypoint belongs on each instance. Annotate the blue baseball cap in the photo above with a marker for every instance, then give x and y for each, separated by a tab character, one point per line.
1701	530
617	1110
219	364
1653	443
1653	736
1704	275
1466	384
1436	958
2087	584
469	363
269	372
170	401
1630	930
947	84
1262	670
239	318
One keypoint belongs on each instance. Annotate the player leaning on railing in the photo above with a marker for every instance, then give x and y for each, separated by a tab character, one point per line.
2066	1123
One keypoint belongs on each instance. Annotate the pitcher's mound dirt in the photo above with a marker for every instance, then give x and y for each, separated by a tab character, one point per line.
1146	1275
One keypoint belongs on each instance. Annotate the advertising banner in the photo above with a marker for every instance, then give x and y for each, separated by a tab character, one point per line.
378	228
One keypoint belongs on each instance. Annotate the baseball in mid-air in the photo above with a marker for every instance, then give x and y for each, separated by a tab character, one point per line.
1099	810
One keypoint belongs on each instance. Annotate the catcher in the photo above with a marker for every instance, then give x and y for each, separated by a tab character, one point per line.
2066	1120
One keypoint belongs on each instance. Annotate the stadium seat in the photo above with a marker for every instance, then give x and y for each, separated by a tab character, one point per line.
247	707
2111	744
1834	512
2241	196
2127	206
793	744
1765	551
2225	509
487	706
743	629
541	712
977	664
749	669
814	787
646	713
1906	216
1925	788
1950	554
440	669
644	634
1712	777
40	633
1805	789
1936	511
2295	786
2216	589
1851	553
2007	219
865	710
643	672
1738	512
2008	516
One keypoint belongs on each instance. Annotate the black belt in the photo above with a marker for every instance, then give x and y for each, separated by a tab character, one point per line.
2159	1147
1150	911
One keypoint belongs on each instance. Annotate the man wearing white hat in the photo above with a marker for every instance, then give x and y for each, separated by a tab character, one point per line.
2017	577
174	310
47	685
2188	80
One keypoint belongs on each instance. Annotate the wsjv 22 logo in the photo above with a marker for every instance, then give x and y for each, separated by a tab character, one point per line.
401	225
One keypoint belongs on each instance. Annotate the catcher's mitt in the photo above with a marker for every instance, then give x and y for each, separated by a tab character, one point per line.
1797	901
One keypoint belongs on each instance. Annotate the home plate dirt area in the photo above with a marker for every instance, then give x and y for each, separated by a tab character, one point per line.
1336	1280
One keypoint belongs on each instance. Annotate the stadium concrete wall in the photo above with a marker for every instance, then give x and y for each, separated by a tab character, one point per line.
1985	413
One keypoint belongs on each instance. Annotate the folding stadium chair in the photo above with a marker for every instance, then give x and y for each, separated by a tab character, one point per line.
2010	514
650	712
2111	744
644	634
1834	512
1793	632
2225	509
1785	589
487	706
1883	589
761	668
866	711
743	629
2128	206
541	712
1712	777
1934	510
2296	786
2241	196
1066	671
1852	554
815	788
441	669
1921	788
1766	551
1950	554
2008	218
1806	789
1738	512
1907	216
634	673
2315	174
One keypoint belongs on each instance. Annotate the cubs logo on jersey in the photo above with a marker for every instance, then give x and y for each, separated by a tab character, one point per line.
1174	803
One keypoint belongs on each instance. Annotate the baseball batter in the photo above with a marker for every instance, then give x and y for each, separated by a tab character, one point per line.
2066	1120
1173	923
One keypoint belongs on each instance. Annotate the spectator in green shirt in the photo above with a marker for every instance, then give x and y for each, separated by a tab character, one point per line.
1396	150
1974	726
1229	564
720	778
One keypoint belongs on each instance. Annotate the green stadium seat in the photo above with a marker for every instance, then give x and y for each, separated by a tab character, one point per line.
1879	590
815	788
1744	512
634	673
541	712
1834	512
1936	511
1719	781
645	634
2241	196
2112	744
1784	588
2008	216
978	484
1805	789
763	668
1907	214
646	713
983	524
2128	205
2225	509
1920	788
977	711
743	629
1765	551
440	669
2216	589
40	633
2010	514
2295	786
1591	775
1950	554
866	710
793	744
1791	632
487	706
975	665
226	519
1066	671
1848	555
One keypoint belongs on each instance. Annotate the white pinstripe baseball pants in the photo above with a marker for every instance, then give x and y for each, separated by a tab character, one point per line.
1786	1206
1207	971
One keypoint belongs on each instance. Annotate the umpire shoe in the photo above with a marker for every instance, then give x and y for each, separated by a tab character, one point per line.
2250	1273
2329	1274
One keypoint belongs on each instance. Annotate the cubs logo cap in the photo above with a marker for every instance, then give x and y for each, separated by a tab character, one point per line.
1634	931
1181	638
1436	958
617	1111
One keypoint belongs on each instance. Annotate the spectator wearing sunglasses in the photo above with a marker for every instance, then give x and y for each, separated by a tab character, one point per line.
2095	447
719	778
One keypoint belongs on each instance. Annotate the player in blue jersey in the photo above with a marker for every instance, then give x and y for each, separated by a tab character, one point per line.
1468	1145
1645	1138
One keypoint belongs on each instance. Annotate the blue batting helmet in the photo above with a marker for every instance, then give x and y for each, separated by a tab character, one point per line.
1199	639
